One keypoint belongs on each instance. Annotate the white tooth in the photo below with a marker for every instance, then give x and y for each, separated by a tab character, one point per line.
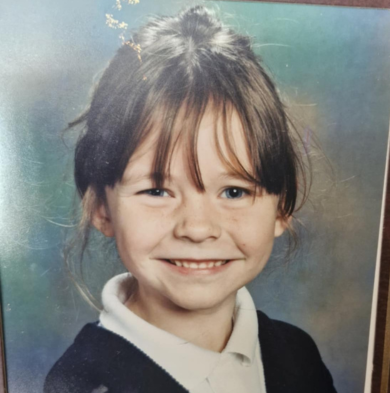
210	264
219	263
193	265
186	264
202	265
178	263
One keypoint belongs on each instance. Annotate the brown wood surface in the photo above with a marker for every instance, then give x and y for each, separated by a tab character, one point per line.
380	378
3	380
345	3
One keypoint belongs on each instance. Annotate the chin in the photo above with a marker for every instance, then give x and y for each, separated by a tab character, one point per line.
200	303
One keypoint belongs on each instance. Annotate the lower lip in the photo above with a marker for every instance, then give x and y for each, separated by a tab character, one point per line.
202	271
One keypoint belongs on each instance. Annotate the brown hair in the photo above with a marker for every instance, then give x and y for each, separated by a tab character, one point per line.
186	61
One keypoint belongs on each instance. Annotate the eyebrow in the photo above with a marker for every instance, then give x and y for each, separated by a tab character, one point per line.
233	176
137	178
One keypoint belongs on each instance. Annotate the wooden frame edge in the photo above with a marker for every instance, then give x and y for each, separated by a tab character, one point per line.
3	371
381	372
339	3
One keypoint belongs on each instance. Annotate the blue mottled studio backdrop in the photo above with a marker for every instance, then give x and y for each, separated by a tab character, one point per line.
332	68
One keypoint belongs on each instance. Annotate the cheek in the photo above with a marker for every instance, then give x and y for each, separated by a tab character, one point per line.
257	242
254	233
138	230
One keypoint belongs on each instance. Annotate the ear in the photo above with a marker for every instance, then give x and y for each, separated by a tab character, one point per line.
281	224
101	220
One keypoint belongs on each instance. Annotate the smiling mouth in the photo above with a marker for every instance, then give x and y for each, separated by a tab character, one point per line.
197	264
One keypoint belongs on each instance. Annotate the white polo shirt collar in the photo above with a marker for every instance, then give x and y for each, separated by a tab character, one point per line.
185	362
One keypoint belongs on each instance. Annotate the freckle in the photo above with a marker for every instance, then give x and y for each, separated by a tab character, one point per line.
243	244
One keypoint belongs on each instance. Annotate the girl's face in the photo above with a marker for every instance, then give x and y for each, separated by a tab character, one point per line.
190	249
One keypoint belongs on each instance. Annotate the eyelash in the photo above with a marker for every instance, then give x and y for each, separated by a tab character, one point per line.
154	192
151	190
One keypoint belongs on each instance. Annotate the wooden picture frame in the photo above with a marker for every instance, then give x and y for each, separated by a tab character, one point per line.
381	358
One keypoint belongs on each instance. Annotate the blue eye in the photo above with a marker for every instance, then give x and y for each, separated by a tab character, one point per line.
234	193
157	192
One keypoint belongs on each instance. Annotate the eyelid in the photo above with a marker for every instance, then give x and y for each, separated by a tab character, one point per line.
247	189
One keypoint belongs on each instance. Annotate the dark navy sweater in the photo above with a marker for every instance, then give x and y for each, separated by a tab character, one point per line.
100	361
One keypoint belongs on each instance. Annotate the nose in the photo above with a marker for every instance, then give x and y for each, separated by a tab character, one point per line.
197	220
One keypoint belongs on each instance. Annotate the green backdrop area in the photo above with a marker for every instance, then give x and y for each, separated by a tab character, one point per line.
332	68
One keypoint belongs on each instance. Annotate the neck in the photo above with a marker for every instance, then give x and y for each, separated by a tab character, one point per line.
209	329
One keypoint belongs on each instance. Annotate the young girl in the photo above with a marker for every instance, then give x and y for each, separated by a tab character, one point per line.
188	161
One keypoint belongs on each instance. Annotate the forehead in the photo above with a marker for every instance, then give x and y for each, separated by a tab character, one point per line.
214	137
223	135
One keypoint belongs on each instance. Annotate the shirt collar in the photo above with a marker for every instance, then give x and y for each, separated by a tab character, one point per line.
244	337
185	362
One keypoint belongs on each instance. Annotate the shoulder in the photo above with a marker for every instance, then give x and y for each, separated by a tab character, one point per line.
283	334
291	357
75	370
99	360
